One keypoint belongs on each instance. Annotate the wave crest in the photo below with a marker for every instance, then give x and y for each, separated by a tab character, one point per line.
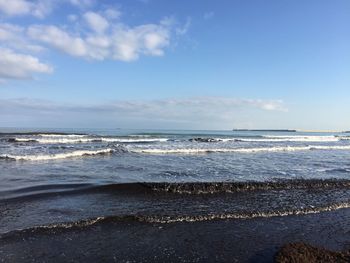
83	139
57	156
252	215
241	150
231	187
161	219
273	138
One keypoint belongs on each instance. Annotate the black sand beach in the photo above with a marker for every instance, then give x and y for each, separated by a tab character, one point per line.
131	198
125	240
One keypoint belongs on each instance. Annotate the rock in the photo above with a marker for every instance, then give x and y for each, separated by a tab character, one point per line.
203	140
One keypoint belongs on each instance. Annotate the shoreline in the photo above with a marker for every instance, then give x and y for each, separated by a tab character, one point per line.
236	240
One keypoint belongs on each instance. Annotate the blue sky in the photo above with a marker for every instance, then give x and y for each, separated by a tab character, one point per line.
195	64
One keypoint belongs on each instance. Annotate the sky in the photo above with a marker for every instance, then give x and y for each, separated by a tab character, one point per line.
186	64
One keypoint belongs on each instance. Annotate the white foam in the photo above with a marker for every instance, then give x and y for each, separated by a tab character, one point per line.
134	140
87	140
24	139
282	138
56	156
240	150
62	135
200	218
63	140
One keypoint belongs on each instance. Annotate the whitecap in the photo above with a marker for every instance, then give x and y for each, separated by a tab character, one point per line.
49	157
241	150
60	140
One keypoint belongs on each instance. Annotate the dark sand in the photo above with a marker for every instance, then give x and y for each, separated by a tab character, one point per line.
251	240
301	252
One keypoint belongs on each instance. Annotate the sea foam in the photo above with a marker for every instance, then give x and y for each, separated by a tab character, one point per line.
241	150
56	156
274	138
87	140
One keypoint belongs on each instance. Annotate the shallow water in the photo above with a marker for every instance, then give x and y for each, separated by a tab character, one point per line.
57	176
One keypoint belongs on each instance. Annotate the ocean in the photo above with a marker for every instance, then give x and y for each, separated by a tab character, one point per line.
62	178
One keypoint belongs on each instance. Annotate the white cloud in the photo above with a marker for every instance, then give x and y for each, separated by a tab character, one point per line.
39	8
42	8
119	42
72	18
82	3
15	7
96	22
112	13
20	66
58	39
9	32
130	43
13	36
102	36
14	63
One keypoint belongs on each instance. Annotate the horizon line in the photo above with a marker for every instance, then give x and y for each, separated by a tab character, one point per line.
167	129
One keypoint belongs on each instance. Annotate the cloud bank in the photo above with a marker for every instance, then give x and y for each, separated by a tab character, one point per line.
187	112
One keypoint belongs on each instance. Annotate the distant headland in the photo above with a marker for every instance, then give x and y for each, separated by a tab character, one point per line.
265	130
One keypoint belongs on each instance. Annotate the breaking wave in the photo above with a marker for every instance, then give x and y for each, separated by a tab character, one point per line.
169	202
83	139
302	138
62	135
242	150
161	219
57	156
251	215
274	138
232	187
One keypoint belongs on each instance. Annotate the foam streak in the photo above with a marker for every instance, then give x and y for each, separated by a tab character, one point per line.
56	156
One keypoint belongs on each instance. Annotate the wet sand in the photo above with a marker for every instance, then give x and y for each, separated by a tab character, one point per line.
126	240
301	252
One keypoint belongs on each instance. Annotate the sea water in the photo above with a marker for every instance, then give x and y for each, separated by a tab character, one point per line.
51	176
